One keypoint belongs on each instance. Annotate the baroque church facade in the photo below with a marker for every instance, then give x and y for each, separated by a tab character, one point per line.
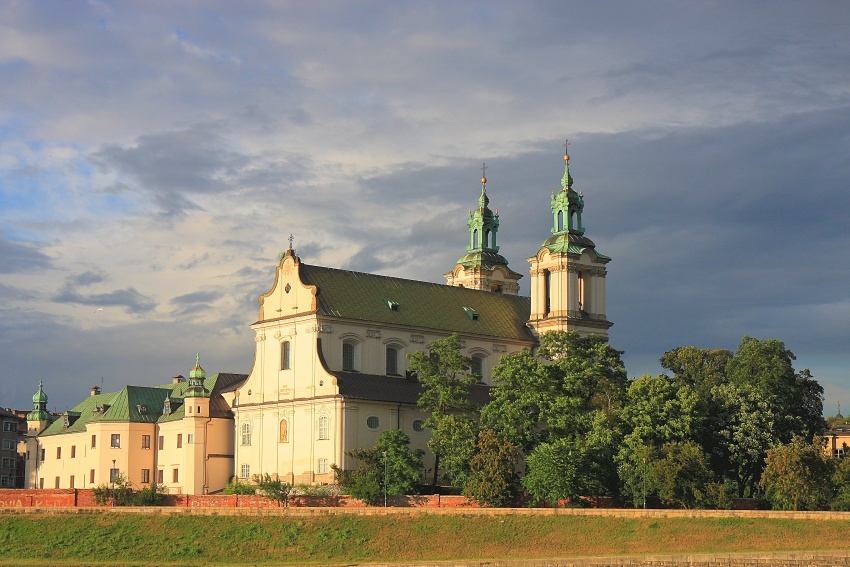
329	372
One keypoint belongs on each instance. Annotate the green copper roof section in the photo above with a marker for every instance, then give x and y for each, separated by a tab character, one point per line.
196	387
567	205
137	404
483	224
363	297
39	405
483	251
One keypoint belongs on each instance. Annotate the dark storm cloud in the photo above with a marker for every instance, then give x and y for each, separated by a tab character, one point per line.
16	257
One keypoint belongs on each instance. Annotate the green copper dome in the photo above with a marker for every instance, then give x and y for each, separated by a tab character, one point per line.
40	397
39	406
196	387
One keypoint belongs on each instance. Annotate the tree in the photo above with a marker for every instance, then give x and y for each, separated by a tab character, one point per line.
798	476
841	484
522	393
796	400
444	375
682	476
491	476
700	368
558	471
455	439
743	424
388	466
535	401
659	410
273	488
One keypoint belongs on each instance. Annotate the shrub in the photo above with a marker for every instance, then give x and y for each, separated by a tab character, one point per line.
235	486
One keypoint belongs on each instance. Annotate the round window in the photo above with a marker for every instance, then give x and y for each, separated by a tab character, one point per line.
418	425
372	422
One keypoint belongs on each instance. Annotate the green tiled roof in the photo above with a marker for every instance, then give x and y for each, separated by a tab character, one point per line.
124	406
364	297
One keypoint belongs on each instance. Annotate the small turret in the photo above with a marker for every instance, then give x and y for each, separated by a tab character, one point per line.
39	417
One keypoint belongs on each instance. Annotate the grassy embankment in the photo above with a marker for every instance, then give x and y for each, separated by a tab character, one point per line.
217	540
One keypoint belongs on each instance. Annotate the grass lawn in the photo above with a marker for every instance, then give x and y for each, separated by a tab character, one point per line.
117	539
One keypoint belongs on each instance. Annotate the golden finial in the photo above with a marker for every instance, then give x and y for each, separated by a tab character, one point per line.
483	169
566	150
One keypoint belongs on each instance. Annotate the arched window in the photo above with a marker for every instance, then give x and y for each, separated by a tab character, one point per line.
284	431
246	433
486	243
392	361
284	355
324	427
560	221
475	238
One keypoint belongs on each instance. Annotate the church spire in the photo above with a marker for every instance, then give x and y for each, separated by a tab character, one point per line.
196	381
482	267
567	205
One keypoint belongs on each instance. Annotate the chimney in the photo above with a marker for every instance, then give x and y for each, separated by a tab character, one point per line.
95	390
179	378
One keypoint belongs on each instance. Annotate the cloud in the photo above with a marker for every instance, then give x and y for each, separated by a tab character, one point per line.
131	300
20	257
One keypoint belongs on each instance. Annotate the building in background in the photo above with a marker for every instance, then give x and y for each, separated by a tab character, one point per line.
179	435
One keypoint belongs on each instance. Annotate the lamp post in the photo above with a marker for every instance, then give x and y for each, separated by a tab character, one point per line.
112	478
385	479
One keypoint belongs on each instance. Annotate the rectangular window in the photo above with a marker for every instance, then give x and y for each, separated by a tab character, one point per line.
91	476
146	476
71	484
113	475
161	442
73	451
93	441
160	476
5	481
7	462
190	438
323	466
57	482
179	440
58	452
10	426
43	455
41	483
392	360
347	356
284	355
146	441
116	441
175	475
245	471
8	444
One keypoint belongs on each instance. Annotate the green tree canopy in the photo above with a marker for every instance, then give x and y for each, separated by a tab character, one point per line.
444	375
798	476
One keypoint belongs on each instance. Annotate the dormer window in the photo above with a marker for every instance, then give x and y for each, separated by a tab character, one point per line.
472	313
393	305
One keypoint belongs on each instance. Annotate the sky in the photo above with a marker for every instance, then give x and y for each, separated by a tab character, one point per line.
155	157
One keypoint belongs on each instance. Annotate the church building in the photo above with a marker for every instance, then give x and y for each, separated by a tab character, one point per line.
330	364
329	371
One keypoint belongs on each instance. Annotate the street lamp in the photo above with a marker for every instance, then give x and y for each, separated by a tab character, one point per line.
385	479
112	478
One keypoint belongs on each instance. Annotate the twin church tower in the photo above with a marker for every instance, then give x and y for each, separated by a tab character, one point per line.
567	272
